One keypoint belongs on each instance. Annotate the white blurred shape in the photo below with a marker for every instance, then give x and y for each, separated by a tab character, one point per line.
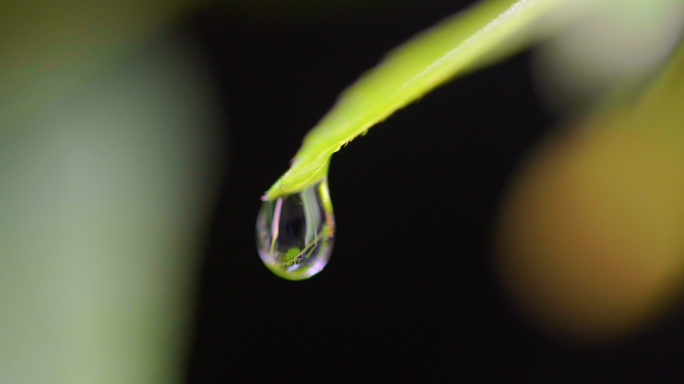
619	43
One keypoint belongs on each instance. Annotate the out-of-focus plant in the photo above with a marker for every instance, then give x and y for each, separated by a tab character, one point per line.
590	237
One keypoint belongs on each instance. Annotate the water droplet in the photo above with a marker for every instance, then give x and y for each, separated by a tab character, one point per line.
294	233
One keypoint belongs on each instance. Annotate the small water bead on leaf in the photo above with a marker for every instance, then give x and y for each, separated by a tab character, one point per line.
294	233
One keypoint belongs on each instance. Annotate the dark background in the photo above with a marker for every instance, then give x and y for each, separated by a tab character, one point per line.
409	293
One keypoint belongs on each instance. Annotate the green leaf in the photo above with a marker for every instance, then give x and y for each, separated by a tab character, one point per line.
460	43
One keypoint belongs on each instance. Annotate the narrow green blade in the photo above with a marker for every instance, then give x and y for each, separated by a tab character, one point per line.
409	72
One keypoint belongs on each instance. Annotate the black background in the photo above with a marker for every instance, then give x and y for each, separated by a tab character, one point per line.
409	293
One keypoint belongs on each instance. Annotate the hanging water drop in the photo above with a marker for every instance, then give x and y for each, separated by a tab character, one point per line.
294	233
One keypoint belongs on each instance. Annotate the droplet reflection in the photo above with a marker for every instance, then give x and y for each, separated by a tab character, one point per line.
294	233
